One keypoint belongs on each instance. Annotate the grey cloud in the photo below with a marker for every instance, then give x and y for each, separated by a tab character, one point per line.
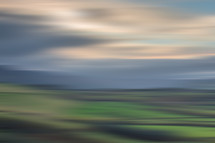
15	30
7	15
23	38
37	43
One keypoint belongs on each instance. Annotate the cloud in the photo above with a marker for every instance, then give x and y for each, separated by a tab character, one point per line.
81	29
21	37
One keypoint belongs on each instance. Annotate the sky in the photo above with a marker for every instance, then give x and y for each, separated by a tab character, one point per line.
114	43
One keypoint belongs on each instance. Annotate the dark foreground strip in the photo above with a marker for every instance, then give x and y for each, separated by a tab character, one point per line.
141	134
41	131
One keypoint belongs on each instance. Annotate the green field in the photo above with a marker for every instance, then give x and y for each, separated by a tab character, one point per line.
33	115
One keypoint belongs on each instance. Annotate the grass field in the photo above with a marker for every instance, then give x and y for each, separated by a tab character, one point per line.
33	115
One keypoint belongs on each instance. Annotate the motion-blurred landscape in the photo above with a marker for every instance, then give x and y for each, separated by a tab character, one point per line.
34	115
116	71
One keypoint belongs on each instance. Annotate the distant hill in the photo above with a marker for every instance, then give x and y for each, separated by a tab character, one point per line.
56	80
9	74
200	84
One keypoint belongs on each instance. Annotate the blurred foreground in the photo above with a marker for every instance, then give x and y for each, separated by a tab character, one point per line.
34	115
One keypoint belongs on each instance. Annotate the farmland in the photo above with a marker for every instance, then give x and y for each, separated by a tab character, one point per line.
34	115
